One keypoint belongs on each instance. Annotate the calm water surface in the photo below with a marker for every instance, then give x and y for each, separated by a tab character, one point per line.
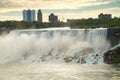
58	71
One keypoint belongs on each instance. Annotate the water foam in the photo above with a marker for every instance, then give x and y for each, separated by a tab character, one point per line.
71	46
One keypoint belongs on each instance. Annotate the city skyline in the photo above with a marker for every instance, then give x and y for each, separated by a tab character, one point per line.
29	15
65	9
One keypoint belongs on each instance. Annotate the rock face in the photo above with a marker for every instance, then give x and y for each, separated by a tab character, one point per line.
113	35
112	56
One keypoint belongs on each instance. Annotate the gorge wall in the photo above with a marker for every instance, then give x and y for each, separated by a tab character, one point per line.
113	35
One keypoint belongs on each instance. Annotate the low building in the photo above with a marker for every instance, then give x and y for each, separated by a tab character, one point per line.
53	18
104	16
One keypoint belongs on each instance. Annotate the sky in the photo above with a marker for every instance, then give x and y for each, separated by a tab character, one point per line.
65	9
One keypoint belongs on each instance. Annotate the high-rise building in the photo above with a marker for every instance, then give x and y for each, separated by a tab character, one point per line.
104	16
53	18
24	15
29	15
39	16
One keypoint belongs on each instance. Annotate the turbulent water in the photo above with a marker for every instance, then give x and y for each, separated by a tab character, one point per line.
71	46
52	54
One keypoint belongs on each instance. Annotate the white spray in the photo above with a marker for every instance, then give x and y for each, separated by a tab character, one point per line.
71	46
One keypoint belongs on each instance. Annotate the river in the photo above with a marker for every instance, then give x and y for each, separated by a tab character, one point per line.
58	71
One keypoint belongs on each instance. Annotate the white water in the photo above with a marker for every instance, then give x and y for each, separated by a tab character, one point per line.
44	54
54	45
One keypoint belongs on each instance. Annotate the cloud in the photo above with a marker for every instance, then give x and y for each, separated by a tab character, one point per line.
50	4
64	16
11	9
4	18
89	14
8	4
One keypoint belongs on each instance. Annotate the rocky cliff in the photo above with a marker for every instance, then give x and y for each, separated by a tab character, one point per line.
112	56
113	36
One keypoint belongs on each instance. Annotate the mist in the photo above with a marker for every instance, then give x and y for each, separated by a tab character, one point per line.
53	46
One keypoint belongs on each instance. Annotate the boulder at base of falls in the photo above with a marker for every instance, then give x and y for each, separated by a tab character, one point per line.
112	56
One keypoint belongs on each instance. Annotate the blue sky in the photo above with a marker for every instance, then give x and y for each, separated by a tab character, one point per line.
72	9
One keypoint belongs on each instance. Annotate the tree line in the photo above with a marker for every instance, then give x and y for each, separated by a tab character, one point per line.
11	25
95	23
75	23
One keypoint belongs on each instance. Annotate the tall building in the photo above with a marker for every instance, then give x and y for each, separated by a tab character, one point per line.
53	18
24	15
29	15
39	16
104	16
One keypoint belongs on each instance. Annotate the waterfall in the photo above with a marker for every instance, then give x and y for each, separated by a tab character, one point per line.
85	46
